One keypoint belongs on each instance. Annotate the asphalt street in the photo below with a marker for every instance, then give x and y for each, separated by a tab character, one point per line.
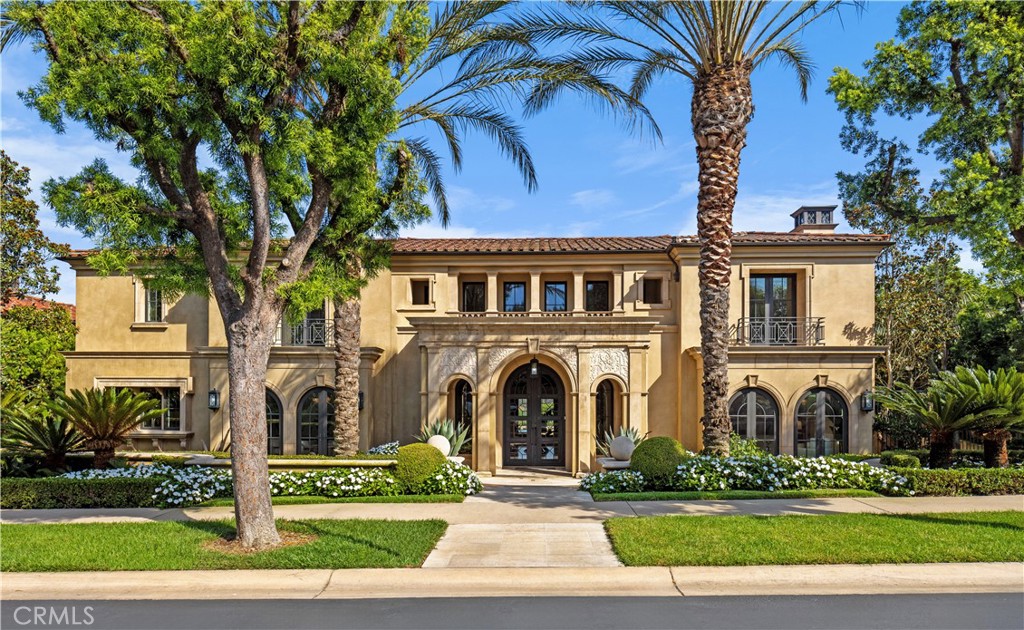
934	612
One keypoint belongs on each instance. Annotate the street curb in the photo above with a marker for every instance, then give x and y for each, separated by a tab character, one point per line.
1004	577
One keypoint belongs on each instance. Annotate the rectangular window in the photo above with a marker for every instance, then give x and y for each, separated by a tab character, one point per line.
515	297
597	296
652	291
154	305
420	292
170	402
555	296
474	297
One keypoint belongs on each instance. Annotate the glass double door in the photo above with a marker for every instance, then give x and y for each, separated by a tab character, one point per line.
534	424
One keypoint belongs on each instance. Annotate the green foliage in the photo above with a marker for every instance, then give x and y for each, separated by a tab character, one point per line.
632	433
61	493
174	461
964	481
25	250
958	67
960	458
105	417
446	428
742	447
27	432
416	463
899	460
656	459
33	339
991	331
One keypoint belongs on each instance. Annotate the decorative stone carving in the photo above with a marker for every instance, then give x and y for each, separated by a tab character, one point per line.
567	354
458	360
609	361
498	355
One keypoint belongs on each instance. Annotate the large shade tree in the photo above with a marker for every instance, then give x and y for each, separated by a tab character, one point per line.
248	121
716	46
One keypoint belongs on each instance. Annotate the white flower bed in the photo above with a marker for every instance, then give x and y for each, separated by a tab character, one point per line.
613	481
453	478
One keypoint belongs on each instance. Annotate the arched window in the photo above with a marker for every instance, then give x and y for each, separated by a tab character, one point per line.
604	409
821	420
462	409
275	413
755	416
316	422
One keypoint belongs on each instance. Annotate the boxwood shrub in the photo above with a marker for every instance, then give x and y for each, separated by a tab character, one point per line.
61	492
964	481
899	460
656	459
415	464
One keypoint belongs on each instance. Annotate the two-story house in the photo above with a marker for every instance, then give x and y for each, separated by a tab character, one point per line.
539	345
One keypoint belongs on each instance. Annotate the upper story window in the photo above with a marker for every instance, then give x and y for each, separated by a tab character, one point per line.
597	296
772	296
515	297
652	291
170	402
555	296
154	305
474	297
420	292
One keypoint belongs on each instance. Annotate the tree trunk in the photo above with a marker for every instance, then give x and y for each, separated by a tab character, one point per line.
102	456
248	352
721	108
941	453
347	322
996	454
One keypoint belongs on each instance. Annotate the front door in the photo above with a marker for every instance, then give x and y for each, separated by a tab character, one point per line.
534	426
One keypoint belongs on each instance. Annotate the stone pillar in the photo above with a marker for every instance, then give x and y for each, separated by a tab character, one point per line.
483	407
492	292
577	292
453	292
424	383
638	389
585	430
433	383
535	292
617	297
367	357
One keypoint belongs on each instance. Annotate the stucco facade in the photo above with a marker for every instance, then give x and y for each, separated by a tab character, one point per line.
451	331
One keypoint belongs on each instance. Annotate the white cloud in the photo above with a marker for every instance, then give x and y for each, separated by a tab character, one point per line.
666	157
433	229
463	200
687	189
769	211
592	198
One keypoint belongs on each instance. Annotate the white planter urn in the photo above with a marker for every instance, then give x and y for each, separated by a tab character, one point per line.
621	448
441	443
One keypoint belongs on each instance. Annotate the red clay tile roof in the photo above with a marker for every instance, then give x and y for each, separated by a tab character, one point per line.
786	238
39	303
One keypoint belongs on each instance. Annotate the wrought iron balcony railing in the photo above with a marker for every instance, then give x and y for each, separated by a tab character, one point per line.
309	332
779	331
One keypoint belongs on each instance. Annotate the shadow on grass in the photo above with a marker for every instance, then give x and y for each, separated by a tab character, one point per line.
952	519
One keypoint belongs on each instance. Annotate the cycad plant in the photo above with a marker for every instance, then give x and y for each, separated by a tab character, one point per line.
1001	389
105	417
30	431
947	406
716	46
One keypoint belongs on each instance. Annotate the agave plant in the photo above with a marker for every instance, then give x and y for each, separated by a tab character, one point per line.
447	429
1003	390
28	431
105	417
604	444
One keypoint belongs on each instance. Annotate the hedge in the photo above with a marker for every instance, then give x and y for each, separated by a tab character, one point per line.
899	460
59	492
1015	456
963	481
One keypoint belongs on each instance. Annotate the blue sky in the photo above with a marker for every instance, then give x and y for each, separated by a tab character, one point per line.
595	177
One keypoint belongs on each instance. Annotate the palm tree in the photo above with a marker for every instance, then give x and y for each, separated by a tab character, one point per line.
1002	389
105	417
716	46
947	406
29	430
493	60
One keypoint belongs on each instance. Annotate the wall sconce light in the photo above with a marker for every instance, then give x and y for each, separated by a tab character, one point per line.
213	402
534	368
362	400
867	401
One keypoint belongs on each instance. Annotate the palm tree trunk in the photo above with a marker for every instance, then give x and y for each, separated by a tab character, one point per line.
941	453
102	456
996	454
347	322
721	108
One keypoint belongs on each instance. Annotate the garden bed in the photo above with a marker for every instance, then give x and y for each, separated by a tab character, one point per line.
402	498
729	495
826	539
334	544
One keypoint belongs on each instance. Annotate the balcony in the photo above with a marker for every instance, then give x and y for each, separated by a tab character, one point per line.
308	332
779	331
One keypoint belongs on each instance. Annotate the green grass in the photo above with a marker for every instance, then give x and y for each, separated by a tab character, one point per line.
828	539
179	546
726	495
305	500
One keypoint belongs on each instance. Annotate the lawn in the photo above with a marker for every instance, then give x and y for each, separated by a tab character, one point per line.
179	545
305	500
829	539
726	495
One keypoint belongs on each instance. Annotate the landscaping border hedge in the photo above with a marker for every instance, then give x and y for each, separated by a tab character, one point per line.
964	481
1015	456
59	492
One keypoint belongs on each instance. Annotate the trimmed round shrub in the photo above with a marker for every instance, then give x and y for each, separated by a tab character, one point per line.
656	459
416	463
900	460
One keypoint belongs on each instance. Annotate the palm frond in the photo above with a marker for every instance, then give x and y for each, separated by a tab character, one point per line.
430	168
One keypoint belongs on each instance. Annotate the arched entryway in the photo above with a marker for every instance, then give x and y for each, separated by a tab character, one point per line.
460	410
821	420
316	422
534	418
